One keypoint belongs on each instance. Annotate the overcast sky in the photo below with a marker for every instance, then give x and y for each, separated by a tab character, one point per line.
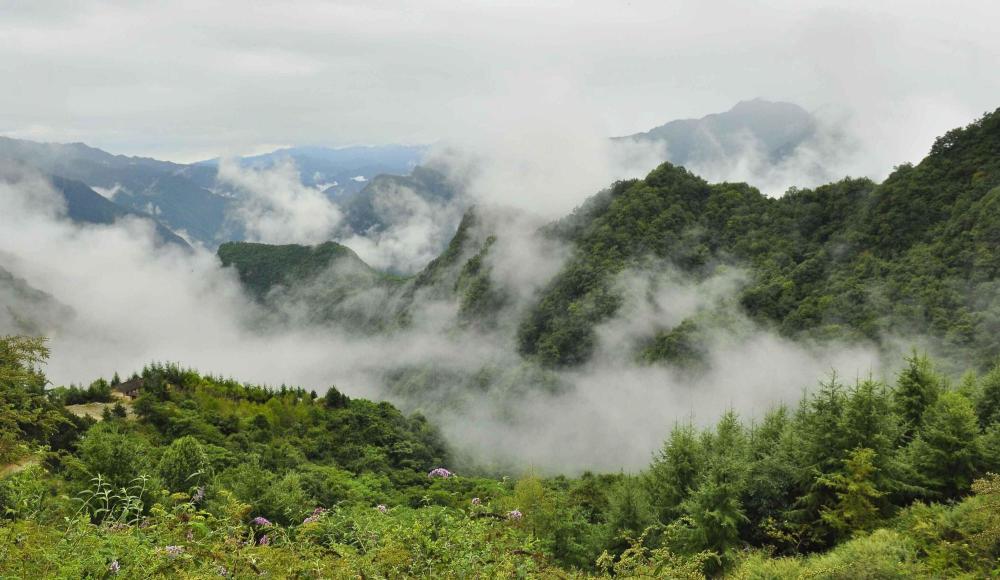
187	80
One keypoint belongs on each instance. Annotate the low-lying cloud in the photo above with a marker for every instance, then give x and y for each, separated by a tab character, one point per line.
273	206
136	302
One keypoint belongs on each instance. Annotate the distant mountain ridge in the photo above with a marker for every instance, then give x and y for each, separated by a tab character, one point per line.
339	170
177	194
84	205
779	127
189	198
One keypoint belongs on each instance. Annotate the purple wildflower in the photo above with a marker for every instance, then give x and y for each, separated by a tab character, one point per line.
264	541
174	551
440	472
514	515
477	501
114	567
261	521
381	507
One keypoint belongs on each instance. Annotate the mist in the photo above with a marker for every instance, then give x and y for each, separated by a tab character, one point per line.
134	302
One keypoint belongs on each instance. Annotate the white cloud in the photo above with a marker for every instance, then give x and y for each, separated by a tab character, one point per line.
274	207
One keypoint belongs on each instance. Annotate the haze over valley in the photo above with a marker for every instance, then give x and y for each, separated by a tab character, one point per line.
611	297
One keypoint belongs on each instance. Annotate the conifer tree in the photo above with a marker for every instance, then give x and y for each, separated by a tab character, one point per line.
917	387
946	451
988	398
674	472
858	496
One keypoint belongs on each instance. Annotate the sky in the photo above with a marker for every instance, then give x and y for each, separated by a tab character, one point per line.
194	79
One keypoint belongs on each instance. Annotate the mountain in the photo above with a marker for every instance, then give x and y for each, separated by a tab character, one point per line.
342	170
313	284
376	207
178	195
26	310
912	257
777	128
84	205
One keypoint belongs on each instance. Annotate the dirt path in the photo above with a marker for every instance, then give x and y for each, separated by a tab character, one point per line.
20	465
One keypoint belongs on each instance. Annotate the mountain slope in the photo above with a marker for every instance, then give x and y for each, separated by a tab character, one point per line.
26	310
776	126
84	205
314	284
912	256
377	207
176	194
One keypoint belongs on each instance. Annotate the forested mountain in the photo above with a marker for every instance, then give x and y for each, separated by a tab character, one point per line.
381	203
913	255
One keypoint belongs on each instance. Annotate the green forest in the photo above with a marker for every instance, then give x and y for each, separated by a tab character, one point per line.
204	477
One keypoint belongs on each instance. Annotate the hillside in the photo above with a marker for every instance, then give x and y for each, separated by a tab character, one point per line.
178	194
314	284
25	309
212	477
84	205
911	256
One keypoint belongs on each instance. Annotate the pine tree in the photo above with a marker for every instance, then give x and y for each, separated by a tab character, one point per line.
714	513
857	494
917	387
988	398
674	472
946	451
629	513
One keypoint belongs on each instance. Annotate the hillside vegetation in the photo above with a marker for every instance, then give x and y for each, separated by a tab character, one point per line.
215	478
913	256
909	260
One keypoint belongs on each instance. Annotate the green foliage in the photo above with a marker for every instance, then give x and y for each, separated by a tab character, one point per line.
110	451
946	452
916	389
826	489
184	464
857	495
674	472
851	259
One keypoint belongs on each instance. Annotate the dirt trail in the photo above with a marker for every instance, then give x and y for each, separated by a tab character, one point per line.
19	465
